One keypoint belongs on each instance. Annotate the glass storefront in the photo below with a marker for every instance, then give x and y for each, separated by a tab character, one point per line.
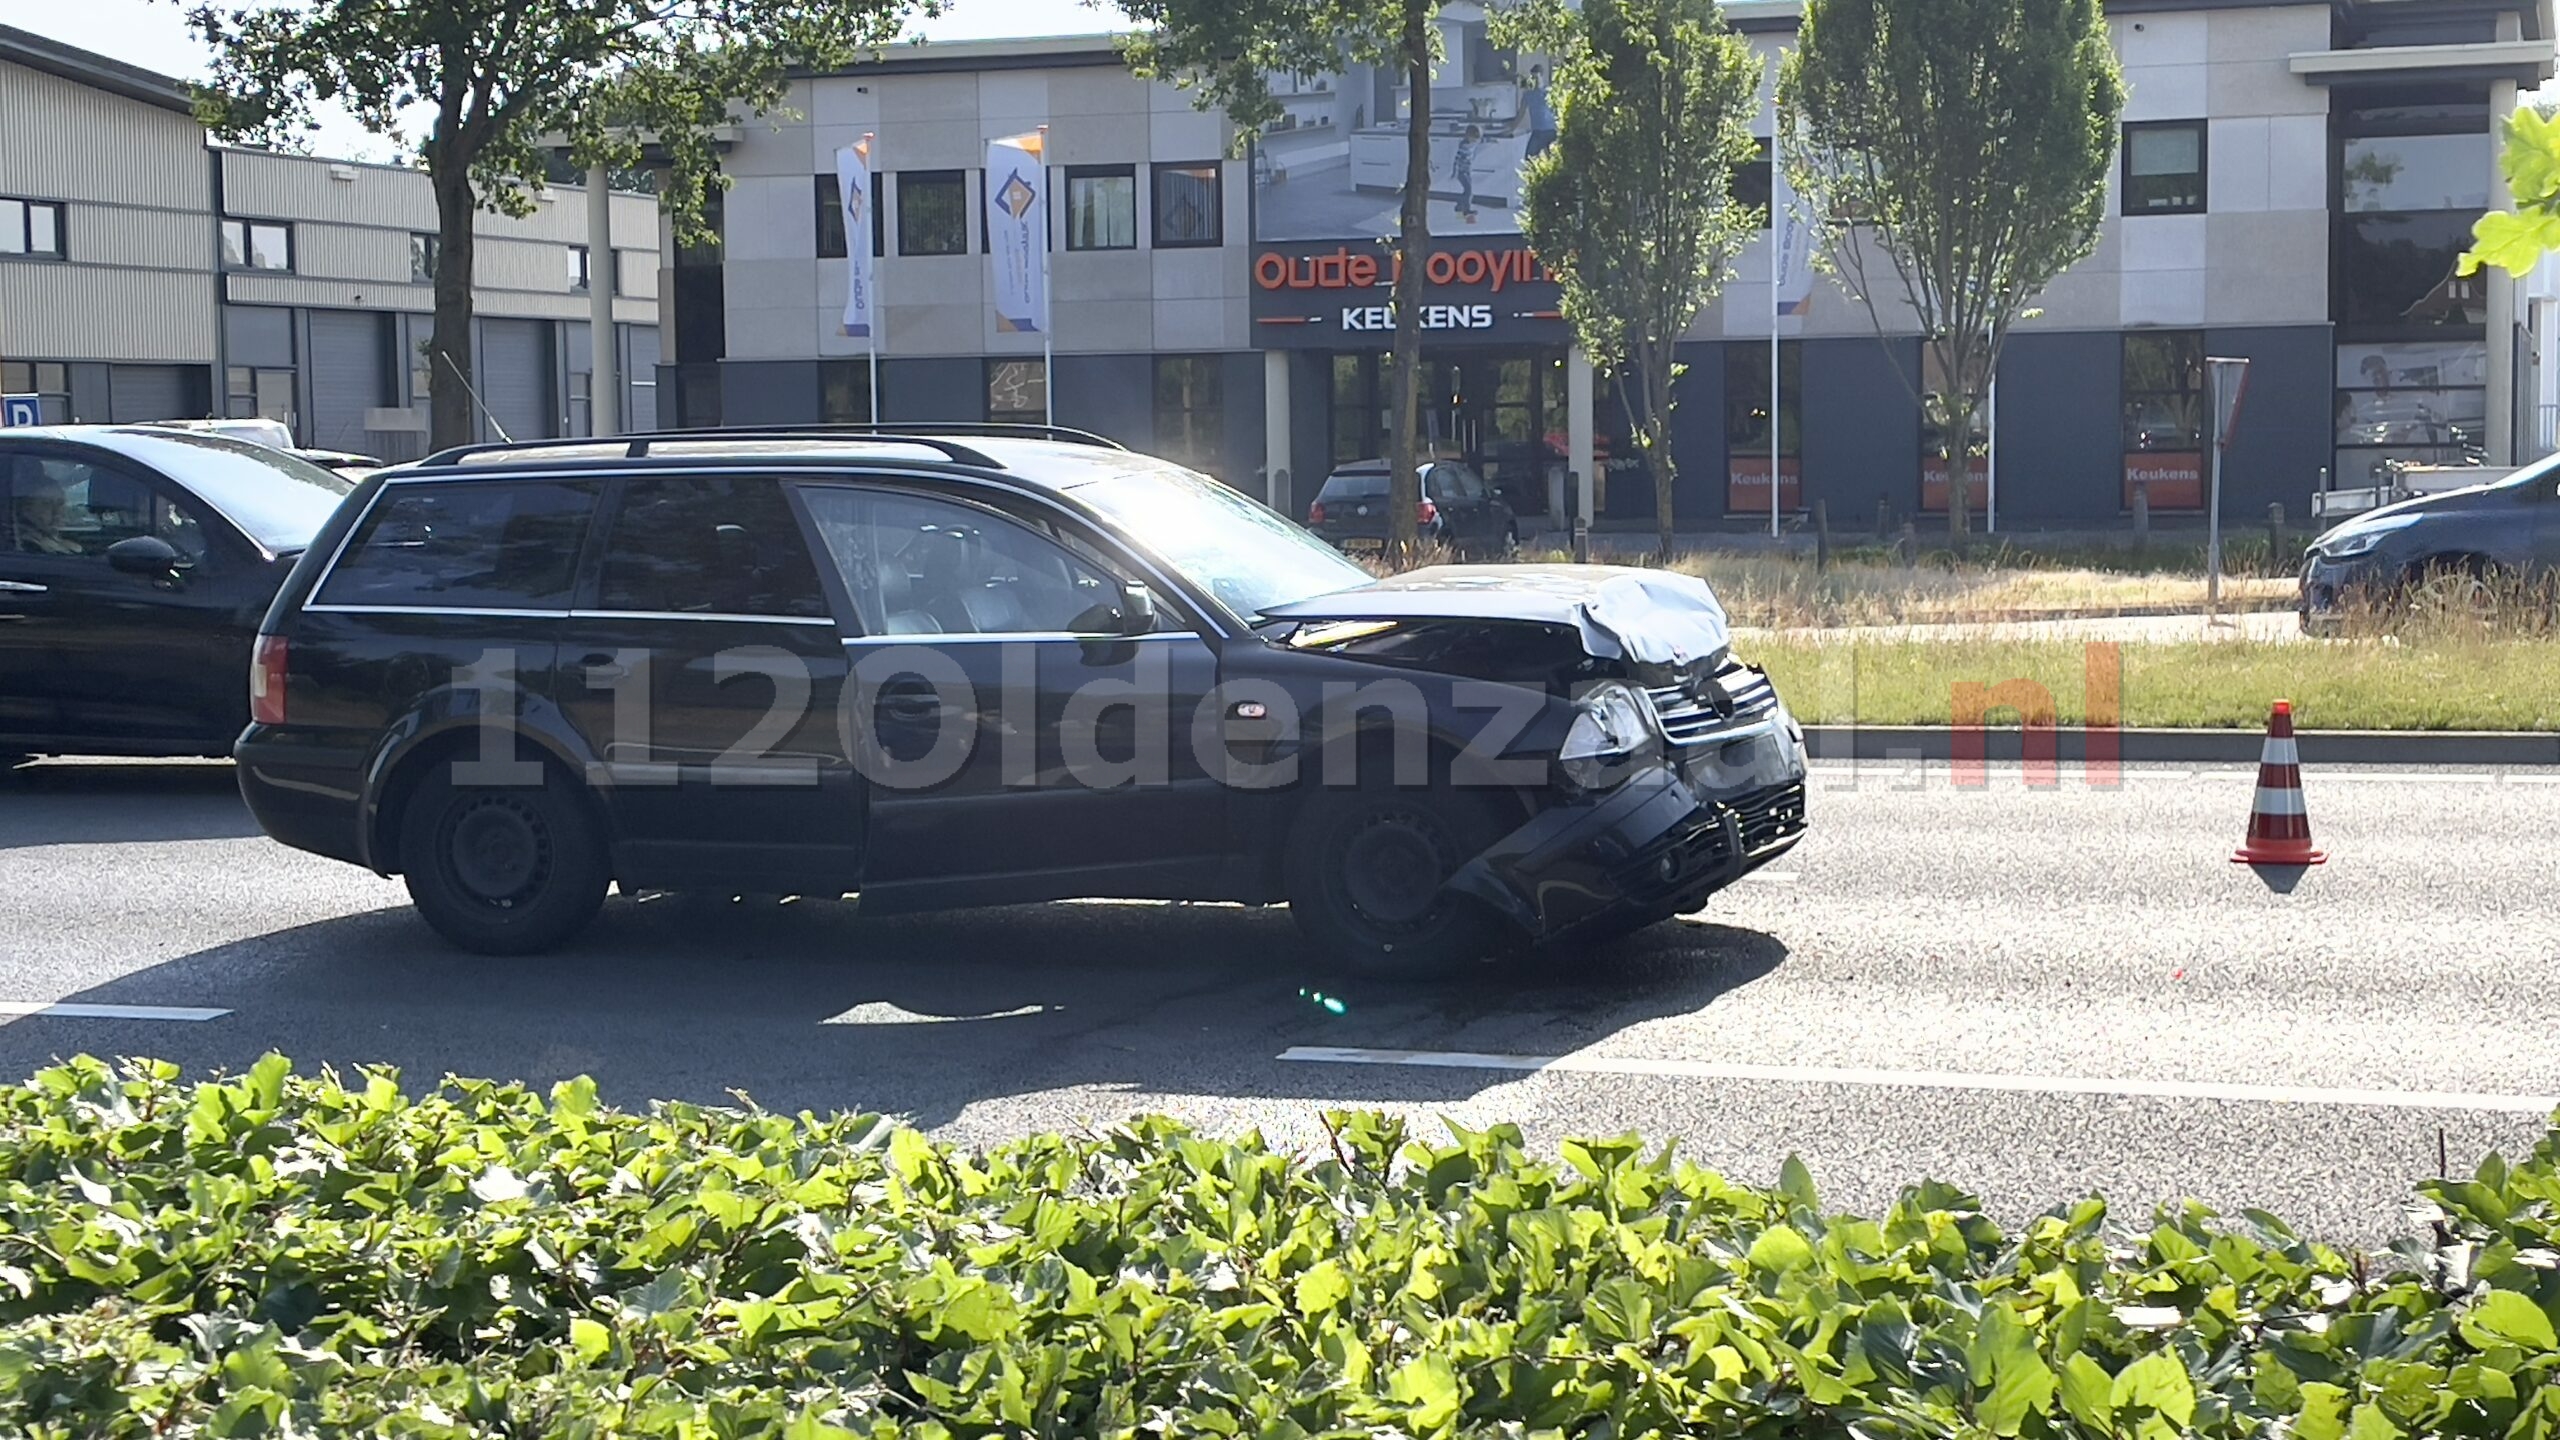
1500	410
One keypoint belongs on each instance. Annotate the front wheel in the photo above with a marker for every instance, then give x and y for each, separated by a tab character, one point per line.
1365	874
502	870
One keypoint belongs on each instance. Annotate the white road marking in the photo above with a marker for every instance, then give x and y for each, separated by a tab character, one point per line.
75	1010
1929	1079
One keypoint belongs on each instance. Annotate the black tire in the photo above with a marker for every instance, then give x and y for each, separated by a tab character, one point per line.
502	870
1364	872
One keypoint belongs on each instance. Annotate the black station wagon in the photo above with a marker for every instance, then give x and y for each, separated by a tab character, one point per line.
988	665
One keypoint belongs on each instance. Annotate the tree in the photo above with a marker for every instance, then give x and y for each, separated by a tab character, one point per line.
499	75
2516	240
1967	141
1226	52
1631	208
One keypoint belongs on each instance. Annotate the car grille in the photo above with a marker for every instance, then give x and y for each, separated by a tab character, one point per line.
1766	817
1686	720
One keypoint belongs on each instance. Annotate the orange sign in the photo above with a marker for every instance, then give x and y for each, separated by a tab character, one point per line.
1746	485
2175	481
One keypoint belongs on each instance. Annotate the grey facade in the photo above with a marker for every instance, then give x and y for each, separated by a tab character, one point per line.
193	279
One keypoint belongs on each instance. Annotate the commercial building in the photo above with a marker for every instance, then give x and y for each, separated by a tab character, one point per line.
2295	183
148	274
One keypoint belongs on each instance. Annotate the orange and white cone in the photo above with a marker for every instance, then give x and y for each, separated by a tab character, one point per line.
2279	830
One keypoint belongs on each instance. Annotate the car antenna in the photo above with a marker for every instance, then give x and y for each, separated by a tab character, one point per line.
485	412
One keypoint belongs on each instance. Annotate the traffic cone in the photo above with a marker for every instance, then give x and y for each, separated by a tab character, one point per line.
2279	831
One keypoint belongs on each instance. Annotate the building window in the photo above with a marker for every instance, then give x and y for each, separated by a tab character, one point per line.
1746	427
2403	270
579	279
2164	418
47	380
257	245
1017	392
1102	207
933	212
1189	205
254	394
423	250
33	228
844	392
2164	168
1751	184
2421	402
2414	172
1191	410
1359	418
829	199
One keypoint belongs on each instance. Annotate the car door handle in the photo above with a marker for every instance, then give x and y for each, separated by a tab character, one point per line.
910	699
22	587
602	669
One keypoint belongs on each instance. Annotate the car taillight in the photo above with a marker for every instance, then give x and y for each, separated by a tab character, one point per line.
1425	513
266	681
1315	513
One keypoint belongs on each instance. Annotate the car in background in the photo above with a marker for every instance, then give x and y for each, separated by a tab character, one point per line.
1002	668
1458	511
275	436
2476	537
135	563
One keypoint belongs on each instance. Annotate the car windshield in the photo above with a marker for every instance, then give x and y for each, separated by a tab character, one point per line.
1228	545
279	500
1355	485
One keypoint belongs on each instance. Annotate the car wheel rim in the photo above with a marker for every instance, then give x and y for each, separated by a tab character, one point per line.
498	852
1392	869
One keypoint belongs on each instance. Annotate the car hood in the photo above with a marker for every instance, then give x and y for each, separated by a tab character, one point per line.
1648	617
2470	499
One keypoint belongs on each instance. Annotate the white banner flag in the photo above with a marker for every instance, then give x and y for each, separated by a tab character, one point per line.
853	191
1790	242
1018	232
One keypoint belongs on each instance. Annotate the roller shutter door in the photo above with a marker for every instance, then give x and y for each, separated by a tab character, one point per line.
138	394
347	377
515	377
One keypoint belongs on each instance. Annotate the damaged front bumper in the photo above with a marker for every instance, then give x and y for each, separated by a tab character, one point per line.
1655	845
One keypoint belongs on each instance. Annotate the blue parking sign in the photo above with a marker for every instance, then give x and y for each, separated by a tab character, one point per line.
20	410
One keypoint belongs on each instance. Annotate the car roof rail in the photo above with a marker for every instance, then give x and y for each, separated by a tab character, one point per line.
990	429
636	447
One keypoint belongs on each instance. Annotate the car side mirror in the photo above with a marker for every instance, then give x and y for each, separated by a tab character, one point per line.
147	555
1137	608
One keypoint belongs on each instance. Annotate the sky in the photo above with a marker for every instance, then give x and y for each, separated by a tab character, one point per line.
153	34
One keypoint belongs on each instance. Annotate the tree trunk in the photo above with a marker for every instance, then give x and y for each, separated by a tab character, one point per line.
451	407
1413	254
1657	429
1960	466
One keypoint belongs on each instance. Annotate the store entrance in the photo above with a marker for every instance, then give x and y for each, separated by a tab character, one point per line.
1500	410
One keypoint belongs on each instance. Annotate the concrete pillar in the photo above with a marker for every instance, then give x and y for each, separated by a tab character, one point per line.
1578	432
604	382
1275	430
2502	290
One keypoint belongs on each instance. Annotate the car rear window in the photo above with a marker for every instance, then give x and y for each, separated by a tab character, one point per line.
1355	485
472	545
708	545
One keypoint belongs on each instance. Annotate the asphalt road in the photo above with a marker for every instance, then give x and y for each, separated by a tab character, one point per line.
2031	994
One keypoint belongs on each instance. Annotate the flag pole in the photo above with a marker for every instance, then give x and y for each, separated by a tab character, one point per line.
879	312
1777	264
1048	329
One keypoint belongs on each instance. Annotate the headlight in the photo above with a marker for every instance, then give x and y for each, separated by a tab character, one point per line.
2363	538
1612	722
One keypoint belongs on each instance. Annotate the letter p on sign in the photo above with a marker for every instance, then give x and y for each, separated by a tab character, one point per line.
18	410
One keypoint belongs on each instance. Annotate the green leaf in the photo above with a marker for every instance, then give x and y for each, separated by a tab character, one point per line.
2371	1424
1796	1183
1781	1247
1429	1387
2504	1317
1320	1288
2512	242
589	1339
2088	1393
2324	1412
2014	1380
1621	1309
2158	1383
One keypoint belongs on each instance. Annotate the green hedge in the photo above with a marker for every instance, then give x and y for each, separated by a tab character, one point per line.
284	1255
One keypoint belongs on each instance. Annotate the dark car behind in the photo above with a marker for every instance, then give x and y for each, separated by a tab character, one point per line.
1458	510
2509	529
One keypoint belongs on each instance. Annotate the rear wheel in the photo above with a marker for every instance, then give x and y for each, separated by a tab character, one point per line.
502	870
1365	872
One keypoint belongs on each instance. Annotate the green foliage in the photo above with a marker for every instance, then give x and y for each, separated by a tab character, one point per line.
280	1255
2516	240
1970	142
1631	208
